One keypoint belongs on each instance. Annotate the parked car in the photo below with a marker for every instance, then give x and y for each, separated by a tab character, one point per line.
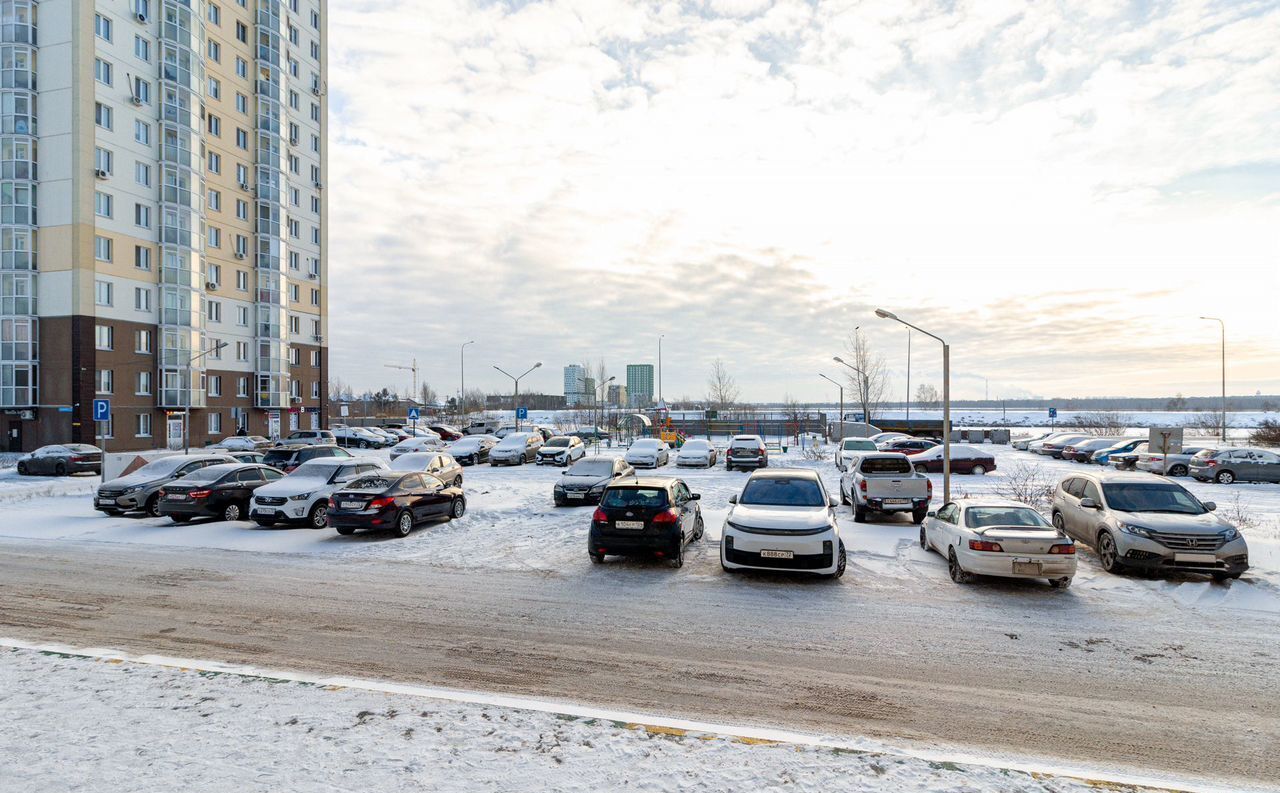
1103	456
303	496
852	448
697	453
1035	446
517	448
505	430
393	500
220	491
308	438
140	489
248	457
358	438
1147	522
783	520
1225	466
585	482
1053	447
472	450
287	458
964	460
483	427
645	516
908	446
997	537
61	459
648	453
397	434
243	443
1128	461
884	483
1021	443
446	432
590	434
562	450
389	438
1082	451
885	437
439	464
416	445
1179	464
746	451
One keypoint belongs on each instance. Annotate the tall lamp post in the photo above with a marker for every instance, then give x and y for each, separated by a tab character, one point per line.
863	393
600	407
839	432
515	400
186	410
946	400
660	338
1223	327
462	379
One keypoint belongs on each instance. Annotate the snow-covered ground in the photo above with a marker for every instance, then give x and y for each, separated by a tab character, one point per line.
121	725
512	525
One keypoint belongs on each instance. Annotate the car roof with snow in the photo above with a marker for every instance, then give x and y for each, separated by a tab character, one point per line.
788	473
1121	476
645	481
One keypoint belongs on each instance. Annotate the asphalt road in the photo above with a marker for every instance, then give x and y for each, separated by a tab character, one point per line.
997	668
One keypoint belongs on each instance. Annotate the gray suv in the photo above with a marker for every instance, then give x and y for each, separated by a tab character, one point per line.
1226	466
1146	522
140	489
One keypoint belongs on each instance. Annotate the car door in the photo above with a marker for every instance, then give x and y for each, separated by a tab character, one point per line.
688	510
944	527
1067	505
1088	518
1266	466
435	501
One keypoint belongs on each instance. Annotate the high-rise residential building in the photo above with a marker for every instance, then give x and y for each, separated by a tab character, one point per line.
617	396
640	384
575	384
162	219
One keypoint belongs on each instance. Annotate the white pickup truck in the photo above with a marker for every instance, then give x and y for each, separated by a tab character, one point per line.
884	482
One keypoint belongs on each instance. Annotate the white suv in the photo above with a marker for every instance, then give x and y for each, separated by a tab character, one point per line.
784	520
304	494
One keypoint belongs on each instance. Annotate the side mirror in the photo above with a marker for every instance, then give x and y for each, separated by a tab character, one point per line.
933	513
832	501
1088	503
1210	505
733	499
695	496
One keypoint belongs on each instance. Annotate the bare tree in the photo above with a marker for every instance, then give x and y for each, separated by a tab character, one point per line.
722	388
1177	404
427	395
928	397
1100	423
869	387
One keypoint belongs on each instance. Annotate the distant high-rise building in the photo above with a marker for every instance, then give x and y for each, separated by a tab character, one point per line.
640	384
617	395
575	384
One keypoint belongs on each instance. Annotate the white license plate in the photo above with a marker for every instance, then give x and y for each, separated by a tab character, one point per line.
576	495
264	512
352	505
1195	558
176	497
628	524
1026	568
106	501
897	501
777	555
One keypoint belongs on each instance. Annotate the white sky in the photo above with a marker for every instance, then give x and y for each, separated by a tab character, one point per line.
1058	189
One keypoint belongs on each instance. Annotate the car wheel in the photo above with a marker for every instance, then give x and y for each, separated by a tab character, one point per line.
918	516
22	469
457	509
1059	523
1108	554
840	564
457	481
699	529
60	469
404	524
924	540
953	567
346	530
1060	583
319	516
844	498
978	470
1224	477
677	558
152	507
364	444
1178	470
232	512
921	469
859	514
265	523
596	558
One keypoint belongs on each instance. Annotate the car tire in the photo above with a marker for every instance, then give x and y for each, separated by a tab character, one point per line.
1108	554
918	516
954	569
596	558
457	509
363	445
699	529
978	470
265	523
1060	583
841	562
346	531
859	514
22	469
60	469
457	481
1178	470
1058	522
924	540
318	516
404	524
921	469
233	511
677	558
844	498
1224	477
152	507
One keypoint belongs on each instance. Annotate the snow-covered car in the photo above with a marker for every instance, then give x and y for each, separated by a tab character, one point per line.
303	496
359	438
307	438
1036	446
517	448
746	451
61	459
586	480
884	483
1021	443
783	520
243	443
562	450
697	453
446	431
140	489
908	446
852	448
439	464
885	437
472	449
648	453
388	437
998	537
414	445
964	460
1054	447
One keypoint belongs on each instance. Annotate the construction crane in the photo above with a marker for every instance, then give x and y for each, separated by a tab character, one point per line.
414	369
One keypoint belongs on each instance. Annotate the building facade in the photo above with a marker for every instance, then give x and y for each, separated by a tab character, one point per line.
162	220
617	396
640	384
575	384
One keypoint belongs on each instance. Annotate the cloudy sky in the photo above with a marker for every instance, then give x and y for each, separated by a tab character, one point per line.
1059	189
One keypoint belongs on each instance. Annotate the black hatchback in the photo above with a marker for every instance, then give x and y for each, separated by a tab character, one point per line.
395	501
216	491
645	516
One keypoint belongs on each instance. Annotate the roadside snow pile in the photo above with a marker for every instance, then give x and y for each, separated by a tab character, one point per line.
77	723
15	488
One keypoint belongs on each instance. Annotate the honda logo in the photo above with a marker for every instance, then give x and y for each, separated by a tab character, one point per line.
1193	543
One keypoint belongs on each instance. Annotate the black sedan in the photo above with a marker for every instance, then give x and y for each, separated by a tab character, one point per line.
218	491
61	459
393	500
585	481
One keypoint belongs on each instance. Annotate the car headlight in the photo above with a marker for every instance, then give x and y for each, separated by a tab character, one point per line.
1129	528
1230	534
134	489
558	488
300	497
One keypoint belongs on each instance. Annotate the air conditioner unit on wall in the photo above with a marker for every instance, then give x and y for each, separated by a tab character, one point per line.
239	254
212	286
100	173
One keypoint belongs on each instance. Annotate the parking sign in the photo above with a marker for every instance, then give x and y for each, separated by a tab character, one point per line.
102	410
1053	413
522	413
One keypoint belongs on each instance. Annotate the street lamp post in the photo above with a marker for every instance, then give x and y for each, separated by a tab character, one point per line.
515	399
864	393
600	408
186	410
946	400
1223	327
839	432
462	380
660	338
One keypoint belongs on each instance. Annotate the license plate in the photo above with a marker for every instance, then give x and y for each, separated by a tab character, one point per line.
263	512
628	524
576	495
1026	568
106	501
352	505
897	501
777	555
1195	558
176	497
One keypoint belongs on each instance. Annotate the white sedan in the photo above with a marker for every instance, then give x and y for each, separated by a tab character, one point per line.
415	445
997	537
697	453
648	453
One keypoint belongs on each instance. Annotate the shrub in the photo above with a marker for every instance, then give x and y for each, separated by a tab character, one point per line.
1028	484
1100	423
1267	433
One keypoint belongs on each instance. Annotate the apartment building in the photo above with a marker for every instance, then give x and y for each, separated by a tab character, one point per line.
162	220
640	384
575	384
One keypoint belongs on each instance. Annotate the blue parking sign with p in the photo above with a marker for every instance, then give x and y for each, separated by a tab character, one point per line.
102	410
522	413
413	414
1053	413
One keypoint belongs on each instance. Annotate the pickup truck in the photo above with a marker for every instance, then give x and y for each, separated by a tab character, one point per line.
884	483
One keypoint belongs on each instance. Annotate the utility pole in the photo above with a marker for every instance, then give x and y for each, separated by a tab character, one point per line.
660	337
839	432
462	382
908	379
1223	326
946	400
515	399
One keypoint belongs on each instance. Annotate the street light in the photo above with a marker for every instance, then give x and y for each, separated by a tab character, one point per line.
864	393
515	400
946	400
1223	326
462	379
186	410
840	432
661	336
600	406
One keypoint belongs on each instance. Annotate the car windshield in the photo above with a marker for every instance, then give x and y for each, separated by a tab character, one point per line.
313	470
375	482
861	444
634	497
982	517
163	467
695	446
557	442
210	473
591	468
465	445
1151	497
773	491
513	441
645	444
885	465
277	456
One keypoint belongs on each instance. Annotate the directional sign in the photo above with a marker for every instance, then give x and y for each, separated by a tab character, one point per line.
413	414
102	410
1053	413
522	413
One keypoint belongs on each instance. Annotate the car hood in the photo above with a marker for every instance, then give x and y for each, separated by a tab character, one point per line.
641	453
786	518
134	479
292	485
1208	523
553	449
579	480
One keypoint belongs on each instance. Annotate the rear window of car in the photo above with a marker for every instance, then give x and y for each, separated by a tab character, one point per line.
783	492
634	497
592	468
982	517
378	482
277	456
858	445
884	465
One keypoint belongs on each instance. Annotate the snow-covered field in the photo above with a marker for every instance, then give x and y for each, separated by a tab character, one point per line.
120	725
512	525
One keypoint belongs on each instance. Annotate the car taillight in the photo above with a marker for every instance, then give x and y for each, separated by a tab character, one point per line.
929	482
599	516
200	493
1063	549
1210	463
862	485
333	504
667	516
983	545
381	503
77	459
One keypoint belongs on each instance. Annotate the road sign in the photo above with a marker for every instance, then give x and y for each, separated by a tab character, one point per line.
522	413
413	414
102	410
1053	413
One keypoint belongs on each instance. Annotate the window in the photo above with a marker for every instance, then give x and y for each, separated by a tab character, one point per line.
315	297
293	293
105	381
215	125
214	235
102	71
213	309
141	298
294	228
102	115
293	260
315	50
315	359
215	385
242	351
242	316
242	174
102	204
215	49
142	342
315	235
295	196
242	210
144	425
141	91
103	429
142	257
142	48
293	99
315	111
102	27
143	9
293	35
102	252
242	283
215	162
315	329
295	325
242	31
315	19
102	292
215	200
215	423
215	351
142	216
242	67
103	337
242	138
142	174
215	88
242	103
242	387
103	160
295	356
144	384
295	388
214	273
241	246
142	132
215	14
315	143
